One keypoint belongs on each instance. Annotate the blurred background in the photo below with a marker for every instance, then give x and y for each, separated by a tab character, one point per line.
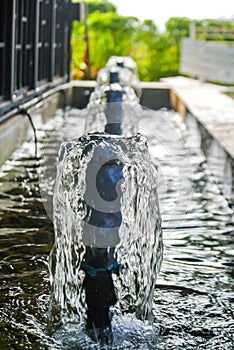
153	35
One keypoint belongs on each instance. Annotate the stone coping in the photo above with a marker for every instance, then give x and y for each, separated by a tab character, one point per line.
210	106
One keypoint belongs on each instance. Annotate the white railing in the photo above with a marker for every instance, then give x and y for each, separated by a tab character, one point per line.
207	61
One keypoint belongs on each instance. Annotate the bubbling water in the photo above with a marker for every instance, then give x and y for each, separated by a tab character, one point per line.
139	245
125	111
114	104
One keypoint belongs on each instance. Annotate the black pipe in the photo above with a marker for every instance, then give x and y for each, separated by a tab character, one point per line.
100	262
25	112
114	112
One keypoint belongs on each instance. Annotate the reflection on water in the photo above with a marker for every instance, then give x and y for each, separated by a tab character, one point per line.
193	300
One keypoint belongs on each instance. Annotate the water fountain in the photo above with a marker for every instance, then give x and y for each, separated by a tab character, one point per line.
107	223
112	103
123	61
126	77
193	299
104	185
192	305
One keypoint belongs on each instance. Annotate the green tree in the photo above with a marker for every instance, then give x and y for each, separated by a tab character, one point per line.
143	51
156	54
177	28
78	50
100	5
109	34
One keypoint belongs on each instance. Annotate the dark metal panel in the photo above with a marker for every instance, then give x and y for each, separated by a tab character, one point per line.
69	33
44	40
35	48
33	29
8	55
52	40
24	54
76	12
59	39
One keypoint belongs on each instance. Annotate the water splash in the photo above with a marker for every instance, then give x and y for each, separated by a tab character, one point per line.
140	238
114	104
129	333
99	111
193	301
126	78
122	61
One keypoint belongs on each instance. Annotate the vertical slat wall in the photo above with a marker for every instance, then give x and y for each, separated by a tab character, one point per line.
207	60
34	46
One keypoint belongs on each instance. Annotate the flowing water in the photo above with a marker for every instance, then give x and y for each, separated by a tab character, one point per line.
139	254
193	296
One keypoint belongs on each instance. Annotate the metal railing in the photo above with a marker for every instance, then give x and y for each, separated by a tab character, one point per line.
208	59
34	46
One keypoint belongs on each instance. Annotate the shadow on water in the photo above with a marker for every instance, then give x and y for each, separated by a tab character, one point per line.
193	299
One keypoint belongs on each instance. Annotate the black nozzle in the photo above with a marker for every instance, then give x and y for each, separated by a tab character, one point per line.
120	64
114	77
113	128
114	96
98	265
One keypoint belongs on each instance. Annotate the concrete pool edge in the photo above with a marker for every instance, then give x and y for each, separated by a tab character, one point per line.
205	102
15	127
209	104
213	110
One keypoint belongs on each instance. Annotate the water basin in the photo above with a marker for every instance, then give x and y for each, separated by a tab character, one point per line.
193	297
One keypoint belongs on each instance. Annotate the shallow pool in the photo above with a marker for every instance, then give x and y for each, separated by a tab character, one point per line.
193	305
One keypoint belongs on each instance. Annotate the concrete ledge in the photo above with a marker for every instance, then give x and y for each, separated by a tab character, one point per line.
155	95
15	127
214	112
81	90
12	132
208	104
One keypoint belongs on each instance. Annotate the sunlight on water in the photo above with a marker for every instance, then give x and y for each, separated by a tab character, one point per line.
129	333
105	222
193	297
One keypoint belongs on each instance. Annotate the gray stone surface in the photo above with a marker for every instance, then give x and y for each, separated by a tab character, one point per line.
211	107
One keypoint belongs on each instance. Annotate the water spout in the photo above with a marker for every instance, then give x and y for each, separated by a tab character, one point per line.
106	216
113	107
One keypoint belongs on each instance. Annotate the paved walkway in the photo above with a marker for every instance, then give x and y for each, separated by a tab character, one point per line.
212	108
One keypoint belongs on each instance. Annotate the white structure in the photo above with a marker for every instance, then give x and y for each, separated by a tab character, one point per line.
207	60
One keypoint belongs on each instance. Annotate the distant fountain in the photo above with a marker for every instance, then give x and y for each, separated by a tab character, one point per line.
113	103
126	78
123	61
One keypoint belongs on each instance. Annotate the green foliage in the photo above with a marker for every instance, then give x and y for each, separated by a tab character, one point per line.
212	30
177	28
78	50
100	5
156	54
110	34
